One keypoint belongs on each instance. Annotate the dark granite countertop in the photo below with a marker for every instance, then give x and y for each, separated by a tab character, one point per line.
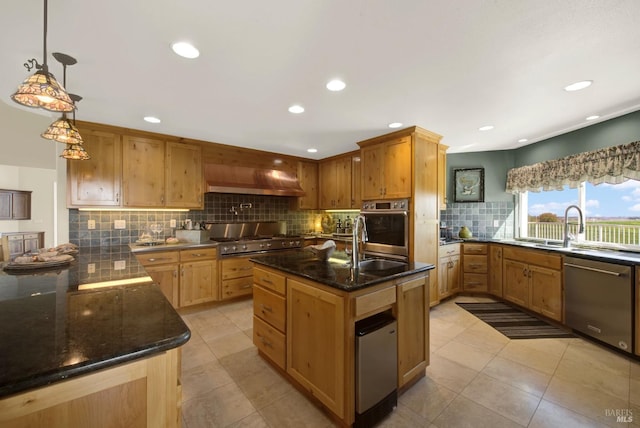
53	329
334	272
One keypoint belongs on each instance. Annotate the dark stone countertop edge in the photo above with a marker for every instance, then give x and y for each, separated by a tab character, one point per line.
88	367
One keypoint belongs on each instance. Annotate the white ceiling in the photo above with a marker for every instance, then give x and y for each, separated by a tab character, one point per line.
447	66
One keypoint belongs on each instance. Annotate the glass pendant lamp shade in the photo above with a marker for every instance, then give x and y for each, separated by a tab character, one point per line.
42	90
75	152
63	131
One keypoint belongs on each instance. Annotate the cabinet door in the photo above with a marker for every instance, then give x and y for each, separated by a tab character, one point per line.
356	182
96	182
143	164
316	343
413	329
545	292
516	282
442	176
495	270
198	282
308	177
16	245
372	159
184	179
166	277
21	206
454	275
32	242
328	185
443	277
397	168
343	182
5	205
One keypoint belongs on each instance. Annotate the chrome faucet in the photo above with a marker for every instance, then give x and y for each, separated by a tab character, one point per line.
567	237
355	239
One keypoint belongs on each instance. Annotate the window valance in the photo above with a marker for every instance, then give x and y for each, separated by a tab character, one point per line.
609	165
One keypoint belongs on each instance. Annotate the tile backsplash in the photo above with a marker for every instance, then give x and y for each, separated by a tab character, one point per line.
485	219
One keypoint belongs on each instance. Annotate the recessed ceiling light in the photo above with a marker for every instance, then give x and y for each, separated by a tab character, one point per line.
578	85
312	150
185	50
486	128
522	140
297	109
395	125
152	119
593	117
336	85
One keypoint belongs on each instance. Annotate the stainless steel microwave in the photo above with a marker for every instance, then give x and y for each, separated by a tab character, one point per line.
387	224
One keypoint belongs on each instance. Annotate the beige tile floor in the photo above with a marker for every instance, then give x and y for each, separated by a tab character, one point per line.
477	378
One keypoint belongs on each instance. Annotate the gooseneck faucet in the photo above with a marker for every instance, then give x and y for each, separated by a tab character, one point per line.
566	242
358	221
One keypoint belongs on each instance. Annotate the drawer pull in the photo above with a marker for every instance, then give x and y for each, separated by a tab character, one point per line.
266	308
264	341
198	255
157	259
473	283
246	268
246	286
267	280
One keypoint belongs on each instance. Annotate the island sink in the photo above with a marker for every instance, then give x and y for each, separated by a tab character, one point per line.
379	264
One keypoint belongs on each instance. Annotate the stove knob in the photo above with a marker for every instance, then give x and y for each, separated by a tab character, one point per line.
234	248
244	246
262	245
268	244
297	243
225	249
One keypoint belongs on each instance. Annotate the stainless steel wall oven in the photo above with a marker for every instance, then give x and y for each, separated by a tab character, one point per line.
387	224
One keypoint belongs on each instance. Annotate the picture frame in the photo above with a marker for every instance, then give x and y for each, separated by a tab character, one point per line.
468	184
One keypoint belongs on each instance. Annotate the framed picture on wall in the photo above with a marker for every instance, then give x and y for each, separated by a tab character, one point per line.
468	184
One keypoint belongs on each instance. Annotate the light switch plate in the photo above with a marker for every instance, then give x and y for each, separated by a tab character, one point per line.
91	224
119	265
119	224
496	223
91	268
172	222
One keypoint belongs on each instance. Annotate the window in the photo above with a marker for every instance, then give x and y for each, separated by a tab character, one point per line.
612	213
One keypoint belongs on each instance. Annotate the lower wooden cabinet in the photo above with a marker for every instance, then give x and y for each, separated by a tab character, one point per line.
236	277
474	267
448	270
166	277
495	270
17	243
413	328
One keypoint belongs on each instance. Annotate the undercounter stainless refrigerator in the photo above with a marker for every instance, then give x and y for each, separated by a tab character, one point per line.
376	369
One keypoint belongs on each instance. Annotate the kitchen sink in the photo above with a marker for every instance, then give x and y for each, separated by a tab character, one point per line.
548	245
379	264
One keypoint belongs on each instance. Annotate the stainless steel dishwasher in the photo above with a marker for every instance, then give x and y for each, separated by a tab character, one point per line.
376	369
599	300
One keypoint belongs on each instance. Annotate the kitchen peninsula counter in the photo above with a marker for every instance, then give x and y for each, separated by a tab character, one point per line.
66	340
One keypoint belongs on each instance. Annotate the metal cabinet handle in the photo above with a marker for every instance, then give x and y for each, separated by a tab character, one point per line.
473	283
198	255
264	341
117	197
175	273
608	272
246	268
267	280
245	286
266	308
154	259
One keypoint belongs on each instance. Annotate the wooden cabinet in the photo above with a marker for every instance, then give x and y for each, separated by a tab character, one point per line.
166	277
17	243
356	182
97	181
15	205
335	183
448	270
308	178
442	176
270	315
495	270
236	277
143	172
316	343
184	176
474	266
413	328
386	169
533	279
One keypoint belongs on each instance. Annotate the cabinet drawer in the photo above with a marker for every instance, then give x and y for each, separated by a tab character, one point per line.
449	250
157	257
15	237
269	280
372	301
198	254
270	341
474	282
535	257
270	307
30	236
237	287
236	267
474	248
474	264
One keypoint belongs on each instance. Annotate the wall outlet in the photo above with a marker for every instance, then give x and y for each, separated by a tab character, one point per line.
172	222
91	224
91	268
119	264
496	223
119	224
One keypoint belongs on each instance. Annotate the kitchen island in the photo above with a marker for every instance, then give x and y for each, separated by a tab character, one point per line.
305	314
74	352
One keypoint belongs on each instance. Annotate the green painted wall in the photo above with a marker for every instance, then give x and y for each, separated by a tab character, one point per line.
621	130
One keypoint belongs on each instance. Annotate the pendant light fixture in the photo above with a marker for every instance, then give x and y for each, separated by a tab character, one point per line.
42	89
63	130
75	151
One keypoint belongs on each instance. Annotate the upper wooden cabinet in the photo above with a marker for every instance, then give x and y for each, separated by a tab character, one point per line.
96	182
308	178
337	177
184	179
143	172
15	205
386	169
442	176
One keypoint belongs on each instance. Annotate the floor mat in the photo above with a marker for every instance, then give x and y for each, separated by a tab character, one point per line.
514	323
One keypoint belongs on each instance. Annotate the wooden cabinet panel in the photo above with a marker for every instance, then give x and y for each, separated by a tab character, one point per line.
374	302
269	280
316	343
197	254
270	307
372	164
184	176
308	178
495	270
413	328
143	172
197	282
449	274
152	258
475	264
97	181
356	182
397	168
21	206
546	292
442	176
475	267
5	205
335	183
270	341
236	267
166	277
516	282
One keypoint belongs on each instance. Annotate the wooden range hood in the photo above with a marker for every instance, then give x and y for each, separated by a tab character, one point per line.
254	181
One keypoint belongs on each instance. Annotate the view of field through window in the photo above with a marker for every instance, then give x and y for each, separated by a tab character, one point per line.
612	212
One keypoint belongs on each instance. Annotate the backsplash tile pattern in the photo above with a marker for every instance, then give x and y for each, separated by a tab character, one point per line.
480	218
